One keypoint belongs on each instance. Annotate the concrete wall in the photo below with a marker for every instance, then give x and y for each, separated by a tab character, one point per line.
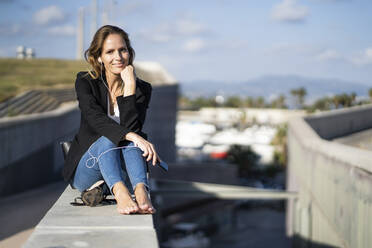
334	181
30	154
334	124
161	121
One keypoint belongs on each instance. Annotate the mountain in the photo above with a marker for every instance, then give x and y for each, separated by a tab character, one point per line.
271	86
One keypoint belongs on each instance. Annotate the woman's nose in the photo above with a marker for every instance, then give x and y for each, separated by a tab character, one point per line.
118	55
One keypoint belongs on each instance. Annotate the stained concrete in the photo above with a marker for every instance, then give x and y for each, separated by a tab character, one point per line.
362	140
80	226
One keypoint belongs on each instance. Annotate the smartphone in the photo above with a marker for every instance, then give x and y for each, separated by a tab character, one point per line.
163	165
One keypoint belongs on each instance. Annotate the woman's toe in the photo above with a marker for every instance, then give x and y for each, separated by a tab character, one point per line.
144	206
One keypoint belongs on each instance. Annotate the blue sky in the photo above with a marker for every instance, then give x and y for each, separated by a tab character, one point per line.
210	40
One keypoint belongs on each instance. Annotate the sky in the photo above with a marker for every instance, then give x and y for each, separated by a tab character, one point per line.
219	40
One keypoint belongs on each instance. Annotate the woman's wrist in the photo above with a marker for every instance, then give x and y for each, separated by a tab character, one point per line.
129	89
131	136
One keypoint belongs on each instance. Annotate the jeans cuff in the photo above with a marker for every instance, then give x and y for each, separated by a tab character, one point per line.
112	186
146	185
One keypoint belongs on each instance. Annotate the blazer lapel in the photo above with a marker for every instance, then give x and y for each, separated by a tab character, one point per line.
102	92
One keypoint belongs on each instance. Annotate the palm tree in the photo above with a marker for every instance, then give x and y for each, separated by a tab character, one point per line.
299	95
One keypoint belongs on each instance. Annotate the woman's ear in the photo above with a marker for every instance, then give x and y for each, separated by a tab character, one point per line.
100	60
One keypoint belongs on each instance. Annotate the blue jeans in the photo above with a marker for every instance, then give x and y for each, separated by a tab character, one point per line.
102	161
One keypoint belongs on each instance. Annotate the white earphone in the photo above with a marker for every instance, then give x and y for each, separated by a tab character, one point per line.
100	60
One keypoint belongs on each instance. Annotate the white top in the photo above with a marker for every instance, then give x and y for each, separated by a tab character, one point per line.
116	115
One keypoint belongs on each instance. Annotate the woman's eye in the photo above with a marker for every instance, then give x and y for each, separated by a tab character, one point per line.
110	51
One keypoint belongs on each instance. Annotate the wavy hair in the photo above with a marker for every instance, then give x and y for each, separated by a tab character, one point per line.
94	51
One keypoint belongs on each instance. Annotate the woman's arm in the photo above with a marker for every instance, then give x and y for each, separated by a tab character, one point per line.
133	110
94	113
133	114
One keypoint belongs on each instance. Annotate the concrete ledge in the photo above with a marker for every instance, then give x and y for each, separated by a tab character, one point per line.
79	226
337	123
311	140
333	180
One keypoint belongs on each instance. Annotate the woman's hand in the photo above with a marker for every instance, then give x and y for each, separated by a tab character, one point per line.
129	78
147	148
128	75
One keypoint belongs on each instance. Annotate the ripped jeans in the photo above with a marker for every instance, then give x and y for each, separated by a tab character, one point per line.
102	161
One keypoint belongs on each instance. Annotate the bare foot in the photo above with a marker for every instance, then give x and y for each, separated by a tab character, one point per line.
125	204
142	198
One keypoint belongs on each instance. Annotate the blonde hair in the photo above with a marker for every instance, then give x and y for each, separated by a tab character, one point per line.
94	51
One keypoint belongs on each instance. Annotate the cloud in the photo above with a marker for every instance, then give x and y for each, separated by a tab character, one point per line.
194	45
64	30
171	30
49	15
328	54
363	58
289	11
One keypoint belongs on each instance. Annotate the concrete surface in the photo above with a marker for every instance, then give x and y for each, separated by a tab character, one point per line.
20	213
341	122
80	226
333	180
17	240
362	140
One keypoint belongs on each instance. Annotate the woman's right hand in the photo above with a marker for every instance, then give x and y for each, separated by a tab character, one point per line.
128	75
147	147
129	78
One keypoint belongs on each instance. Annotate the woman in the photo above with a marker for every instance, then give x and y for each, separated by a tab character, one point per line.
113	105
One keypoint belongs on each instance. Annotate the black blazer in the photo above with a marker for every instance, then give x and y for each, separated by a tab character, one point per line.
92	96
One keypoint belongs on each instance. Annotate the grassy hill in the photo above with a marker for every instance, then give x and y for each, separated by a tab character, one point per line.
18	75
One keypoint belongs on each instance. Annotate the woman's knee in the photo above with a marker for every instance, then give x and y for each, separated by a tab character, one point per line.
105	143
131	148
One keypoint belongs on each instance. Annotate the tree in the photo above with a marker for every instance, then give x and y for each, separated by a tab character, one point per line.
249	102
244	157
279	102
260	102
344	100
324	103
370	94
299	95
280	143
233	102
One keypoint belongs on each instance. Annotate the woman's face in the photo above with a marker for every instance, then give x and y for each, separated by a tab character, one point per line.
115	55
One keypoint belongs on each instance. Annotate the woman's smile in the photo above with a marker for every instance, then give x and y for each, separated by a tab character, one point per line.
119	65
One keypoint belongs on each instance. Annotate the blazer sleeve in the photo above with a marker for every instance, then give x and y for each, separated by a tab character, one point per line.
94	113
133	109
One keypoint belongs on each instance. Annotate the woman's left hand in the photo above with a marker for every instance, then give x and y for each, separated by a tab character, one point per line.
147	147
